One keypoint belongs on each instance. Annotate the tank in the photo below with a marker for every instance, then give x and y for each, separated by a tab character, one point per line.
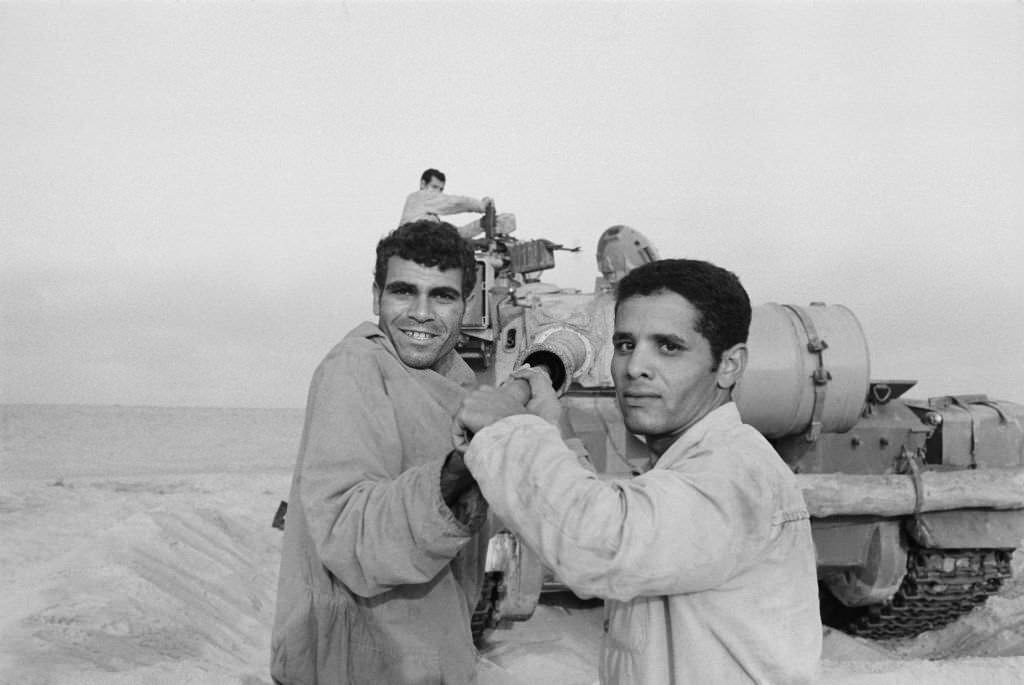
917	505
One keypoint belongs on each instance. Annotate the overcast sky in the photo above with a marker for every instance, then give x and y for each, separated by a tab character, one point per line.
190	193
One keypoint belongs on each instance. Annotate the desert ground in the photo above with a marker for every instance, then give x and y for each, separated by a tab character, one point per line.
141	575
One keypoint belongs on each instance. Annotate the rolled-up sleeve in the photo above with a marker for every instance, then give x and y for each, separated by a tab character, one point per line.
663	532
374	525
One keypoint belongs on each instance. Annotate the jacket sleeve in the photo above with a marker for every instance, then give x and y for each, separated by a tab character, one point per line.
665	532
422	203
374	525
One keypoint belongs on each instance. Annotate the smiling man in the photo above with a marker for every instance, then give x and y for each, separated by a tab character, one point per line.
705	561
381	562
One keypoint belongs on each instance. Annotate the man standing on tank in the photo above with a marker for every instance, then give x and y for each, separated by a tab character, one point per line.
381	562
705	561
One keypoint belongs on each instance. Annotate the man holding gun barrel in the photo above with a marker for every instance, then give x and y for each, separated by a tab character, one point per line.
705	561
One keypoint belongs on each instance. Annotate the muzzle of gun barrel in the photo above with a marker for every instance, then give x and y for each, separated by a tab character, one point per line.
560	351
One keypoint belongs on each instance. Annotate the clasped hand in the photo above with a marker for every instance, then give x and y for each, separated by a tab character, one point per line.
488	404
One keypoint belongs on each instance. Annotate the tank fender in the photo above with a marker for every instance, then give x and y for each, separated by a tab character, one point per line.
968	529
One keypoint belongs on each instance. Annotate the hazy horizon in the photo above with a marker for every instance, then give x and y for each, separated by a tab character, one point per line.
190	193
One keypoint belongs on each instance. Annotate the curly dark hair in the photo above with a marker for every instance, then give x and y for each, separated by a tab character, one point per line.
717	295
428	243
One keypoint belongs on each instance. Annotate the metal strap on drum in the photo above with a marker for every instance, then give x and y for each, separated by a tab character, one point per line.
820	376
911	462
957	402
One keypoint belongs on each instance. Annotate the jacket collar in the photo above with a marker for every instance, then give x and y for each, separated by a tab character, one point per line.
720	418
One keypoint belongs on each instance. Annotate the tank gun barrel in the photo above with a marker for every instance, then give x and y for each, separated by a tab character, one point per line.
560	352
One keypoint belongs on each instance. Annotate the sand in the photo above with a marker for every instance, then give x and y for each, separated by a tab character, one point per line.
172	579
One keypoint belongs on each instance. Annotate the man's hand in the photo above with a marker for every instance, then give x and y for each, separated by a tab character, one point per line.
543	400
481	408
505	224
486	405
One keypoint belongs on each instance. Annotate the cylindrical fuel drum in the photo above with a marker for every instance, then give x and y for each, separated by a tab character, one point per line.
808	370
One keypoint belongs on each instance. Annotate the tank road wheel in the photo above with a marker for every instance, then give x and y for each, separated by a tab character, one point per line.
941	585
881	575
513	580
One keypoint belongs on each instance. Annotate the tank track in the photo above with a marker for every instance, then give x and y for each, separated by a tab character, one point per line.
482	619
941	585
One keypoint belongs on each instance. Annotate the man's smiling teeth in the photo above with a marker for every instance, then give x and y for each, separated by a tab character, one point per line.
419	335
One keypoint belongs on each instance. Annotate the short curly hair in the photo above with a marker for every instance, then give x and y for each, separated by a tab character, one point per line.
716	294
428	243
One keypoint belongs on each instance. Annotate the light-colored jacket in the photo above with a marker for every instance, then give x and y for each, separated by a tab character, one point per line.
378	576
705	561
431	204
